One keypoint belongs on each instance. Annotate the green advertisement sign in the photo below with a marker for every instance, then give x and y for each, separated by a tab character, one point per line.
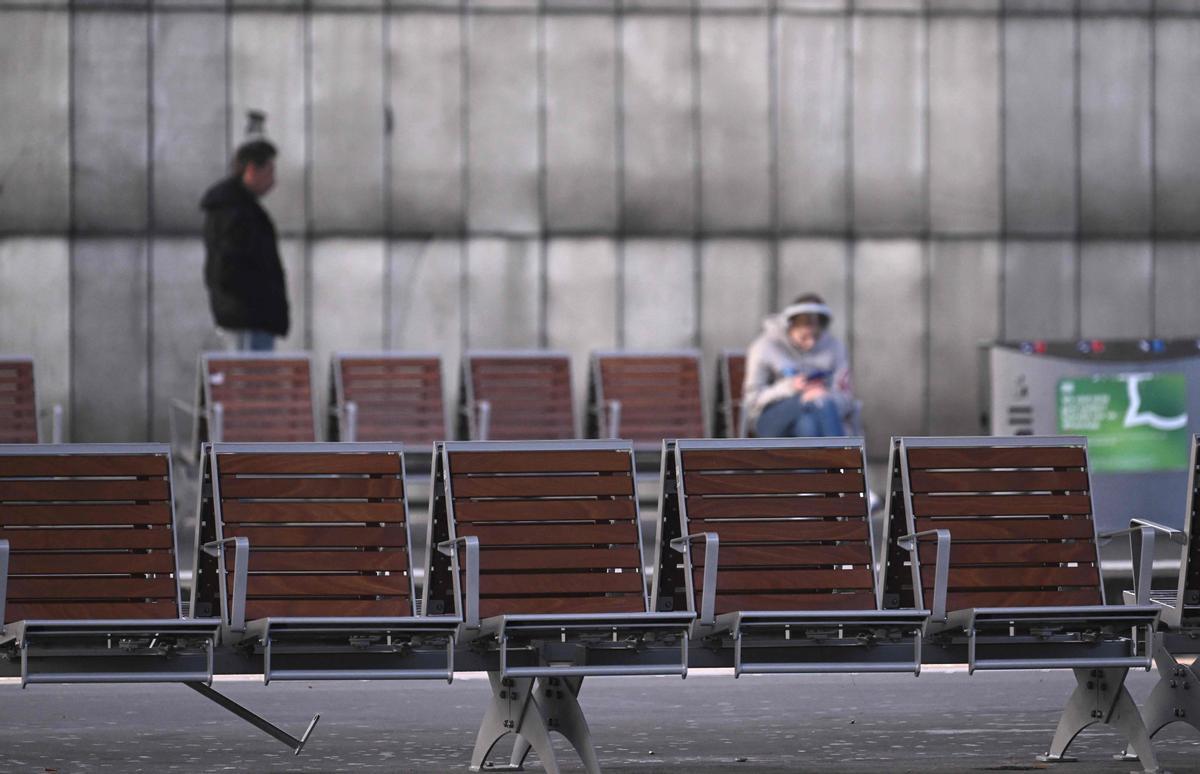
1134	423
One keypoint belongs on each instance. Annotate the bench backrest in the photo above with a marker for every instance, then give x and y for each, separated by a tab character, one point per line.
397	397
264	397
327	525
18	401
727	401
658	392
1188	600
557	525
90	529
1019	512
529	395
792	519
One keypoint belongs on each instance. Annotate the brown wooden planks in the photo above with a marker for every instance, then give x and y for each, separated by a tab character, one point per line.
561	535
91	563
514	584
79	539
388	560
856	600
284	608
998	578
997	457
778	483
924	481
774	507
466	511
790	580
96	489
1011	553
21	589
772	459
84	465
1011	529
784	531
549	605
543	486
306	537
493	558
1066	598
60	514
1000	505
541	462
316	487
69	611
233	511
786	555
313	586
311	463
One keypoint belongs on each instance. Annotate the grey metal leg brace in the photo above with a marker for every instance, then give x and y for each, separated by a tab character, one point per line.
531	712
1101	697
254	719
1176	696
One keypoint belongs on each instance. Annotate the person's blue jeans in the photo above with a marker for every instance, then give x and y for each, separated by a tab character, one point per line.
794	418
252	340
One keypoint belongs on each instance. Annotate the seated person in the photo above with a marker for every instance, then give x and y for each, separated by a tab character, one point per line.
797	375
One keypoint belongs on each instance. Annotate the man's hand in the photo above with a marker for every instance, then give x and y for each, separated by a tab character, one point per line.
813	391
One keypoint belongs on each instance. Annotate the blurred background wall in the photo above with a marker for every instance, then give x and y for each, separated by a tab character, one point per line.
576	174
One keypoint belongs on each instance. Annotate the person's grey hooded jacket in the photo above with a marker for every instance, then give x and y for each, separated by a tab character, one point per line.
773	360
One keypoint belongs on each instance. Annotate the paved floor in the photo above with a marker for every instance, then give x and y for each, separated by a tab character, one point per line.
941	721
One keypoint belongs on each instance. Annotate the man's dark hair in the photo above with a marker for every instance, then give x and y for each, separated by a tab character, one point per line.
256	152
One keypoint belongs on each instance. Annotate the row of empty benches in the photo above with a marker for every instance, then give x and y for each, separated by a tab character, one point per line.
390	396
763	559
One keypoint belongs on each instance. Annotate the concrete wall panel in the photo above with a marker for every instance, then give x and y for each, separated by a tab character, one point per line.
504	296
964	125
109	120
426	139
503	126
581	125
735	296
295	256
1039	125
813	64
889	124
1115	102
109	340
1177	125
735	121
348	283
347	123
888	344
425	312
1176	277
964	309
658	286
1040	298
35	315
819	266
189	152
35	121
659	145
1116	282
267	73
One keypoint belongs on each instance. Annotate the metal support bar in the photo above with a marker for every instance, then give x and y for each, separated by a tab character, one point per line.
708	592
471	597
56	423
1142	534
256	720
4	553
1100	696
1175	697
241	568
102	676
270	673
216	433
483	424
530	711
181	446
614	418
350	422
941	572
740	667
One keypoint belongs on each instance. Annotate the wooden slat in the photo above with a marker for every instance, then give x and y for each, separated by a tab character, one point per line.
20	589
307	537
98	489
774	507
269	435
1012	553
771	459
855	600
233	511
789	580
543	486
1072	597
310	463
989	579
68	611
999	481
91	564
311	487
558	558
1011	529
998	457
83	465
73	539
64	515
777	483
779	531
394	560
1000	505
327	585
540	462
786	555
466	511
561	582
561	605
540	534
316	608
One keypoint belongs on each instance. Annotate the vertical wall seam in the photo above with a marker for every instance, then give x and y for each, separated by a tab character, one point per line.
389	123
1152	215
1002	177
543	282
850	239
464	112
697	179
71	227
927	230
309	155
619	151
773	140
1078	133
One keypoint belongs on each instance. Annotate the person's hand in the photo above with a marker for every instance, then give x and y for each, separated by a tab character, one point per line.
799	383
813	391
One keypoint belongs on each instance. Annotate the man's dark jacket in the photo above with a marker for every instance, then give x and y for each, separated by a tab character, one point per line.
246	285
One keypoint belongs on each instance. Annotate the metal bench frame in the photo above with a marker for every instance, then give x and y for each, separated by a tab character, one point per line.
555	651
1068	637
806	638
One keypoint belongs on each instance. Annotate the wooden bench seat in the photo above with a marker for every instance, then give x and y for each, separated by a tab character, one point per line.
997	537
524	395
645	397
727	399
387	396
776	541
19	415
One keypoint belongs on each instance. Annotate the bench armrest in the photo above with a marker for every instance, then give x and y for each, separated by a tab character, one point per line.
708	591
56	422
347	417
3	579
614	418
180	444
241	568
483	419
941	571
1143	534
471	595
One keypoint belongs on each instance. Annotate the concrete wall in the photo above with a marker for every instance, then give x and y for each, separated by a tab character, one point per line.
567	174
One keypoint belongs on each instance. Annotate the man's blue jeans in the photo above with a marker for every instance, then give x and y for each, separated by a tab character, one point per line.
252	340
794	418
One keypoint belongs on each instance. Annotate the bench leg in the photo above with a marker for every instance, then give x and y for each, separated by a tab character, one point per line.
1176	696
254	719
1101	697
513	710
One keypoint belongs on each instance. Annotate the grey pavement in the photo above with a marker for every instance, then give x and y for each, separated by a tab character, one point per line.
939	722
